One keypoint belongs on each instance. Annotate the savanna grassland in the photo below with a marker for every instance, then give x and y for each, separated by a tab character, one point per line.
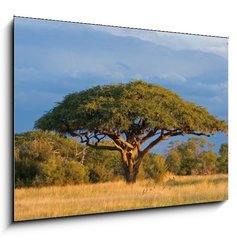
47	202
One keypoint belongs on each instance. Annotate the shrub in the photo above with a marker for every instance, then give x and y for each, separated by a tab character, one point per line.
60	171
25	172
155	167
103	165
192	157
45	158
222	160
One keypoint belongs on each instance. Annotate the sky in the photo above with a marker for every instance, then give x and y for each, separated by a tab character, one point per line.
52	59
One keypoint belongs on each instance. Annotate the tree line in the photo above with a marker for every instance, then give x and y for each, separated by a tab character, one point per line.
44	158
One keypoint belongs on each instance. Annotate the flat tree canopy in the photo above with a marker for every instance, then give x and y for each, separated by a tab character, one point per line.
129	114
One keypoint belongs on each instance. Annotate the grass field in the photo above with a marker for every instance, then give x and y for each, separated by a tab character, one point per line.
47	202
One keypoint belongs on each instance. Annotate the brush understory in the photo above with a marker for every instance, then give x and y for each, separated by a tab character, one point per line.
48	202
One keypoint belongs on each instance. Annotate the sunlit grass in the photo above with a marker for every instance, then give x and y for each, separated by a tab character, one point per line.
47	202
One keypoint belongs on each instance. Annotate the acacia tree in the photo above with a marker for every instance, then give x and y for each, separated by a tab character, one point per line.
135	116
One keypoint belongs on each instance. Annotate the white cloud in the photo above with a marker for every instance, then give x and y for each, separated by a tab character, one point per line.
216	45
174	78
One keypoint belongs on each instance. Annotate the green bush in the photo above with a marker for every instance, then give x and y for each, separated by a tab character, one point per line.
222	160
174	161
45	158
207	161
103	165
195	157
60	171
154	167
25	172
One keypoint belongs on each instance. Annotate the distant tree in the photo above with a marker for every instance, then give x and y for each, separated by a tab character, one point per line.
192	157
207	161
222	161
173	160
130	115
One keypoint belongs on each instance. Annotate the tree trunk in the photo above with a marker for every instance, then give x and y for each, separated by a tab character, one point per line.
130	174
130	168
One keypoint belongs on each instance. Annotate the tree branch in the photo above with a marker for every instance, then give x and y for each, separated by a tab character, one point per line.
87	139
200	134
152	133
120	144
171	133
75	134
101	147
153	143
117	138
125	142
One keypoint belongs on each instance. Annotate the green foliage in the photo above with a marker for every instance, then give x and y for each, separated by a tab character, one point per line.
119	106
45	158
192	157
25	172
40	146
154	167
222	160
59	171
207	162
173	161
103	165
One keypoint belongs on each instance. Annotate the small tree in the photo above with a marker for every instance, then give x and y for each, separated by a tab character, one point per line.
207	162
134	116
174	161
192	157
222	160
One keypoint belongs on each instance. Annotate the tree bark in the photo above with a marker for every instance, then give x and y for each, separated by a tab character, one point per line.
130	174
130	167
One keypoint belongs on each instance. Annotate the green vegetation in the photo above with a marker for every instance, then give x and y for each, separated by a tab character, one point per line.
154	167
222	160
44	159
129	115
196	157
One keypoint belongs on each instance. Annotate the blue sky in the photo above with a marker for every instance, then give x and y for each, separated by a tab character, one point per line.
52	59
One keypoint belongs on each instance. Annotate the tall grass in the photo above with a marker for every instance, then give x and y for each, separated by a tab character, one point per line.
36	203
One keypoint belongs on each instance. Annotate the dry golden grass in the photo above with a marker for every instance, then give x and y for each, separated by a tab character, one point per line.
47	202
